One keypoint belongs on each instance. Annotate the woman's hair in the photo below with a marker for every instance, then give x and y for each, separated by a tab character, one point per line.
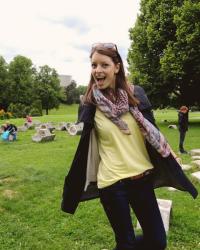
121	81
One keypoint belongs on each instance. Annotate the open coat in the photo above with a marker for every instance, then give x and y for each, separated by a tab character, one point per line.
80	183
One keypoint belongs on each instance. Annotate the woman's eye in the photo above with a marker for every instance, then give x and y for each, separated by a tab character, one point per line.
93	65
104	65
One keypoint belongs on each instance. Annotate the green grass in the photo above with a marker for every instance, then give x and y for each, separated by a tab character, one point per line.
31	182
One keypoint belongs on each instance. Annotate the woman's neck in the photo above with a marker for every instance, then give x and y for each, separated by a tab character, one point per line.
111	94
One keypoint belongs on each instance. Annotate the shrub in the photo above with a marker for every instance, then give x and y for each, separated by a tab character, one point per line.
5	115
21	110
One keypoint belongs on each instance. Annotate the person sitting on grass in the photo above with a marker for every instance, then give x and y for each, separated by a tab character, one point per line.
12	131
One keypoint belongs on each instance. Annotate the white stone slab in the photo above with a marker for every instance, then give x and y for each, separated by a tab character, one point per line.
165	207
196	157
172	189
172	126
197	163
186	166
195	151
196	175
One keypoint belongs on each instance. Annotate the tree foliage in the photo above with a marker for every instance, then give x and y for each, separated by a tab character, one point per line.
3	83
164	56
72	92
47	87
20	80
24	90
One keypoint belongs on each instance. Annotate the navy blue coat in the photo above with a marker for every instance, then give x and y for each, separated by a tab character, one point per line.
167	172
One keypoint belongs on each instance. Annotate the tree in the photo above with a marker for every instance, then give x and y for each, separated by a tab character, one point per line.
3	83
20	80
180	63
154	38
70	92
47	87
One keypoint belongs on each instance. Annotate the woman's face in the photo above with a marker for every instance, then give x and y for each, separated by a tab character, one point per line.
104	71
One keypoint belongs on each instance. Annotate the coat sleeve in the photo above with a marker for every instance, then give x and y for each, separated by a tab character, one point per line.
75	180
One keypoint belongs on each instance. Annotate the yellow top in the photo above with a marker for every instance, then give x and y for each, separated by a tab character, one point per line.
121	155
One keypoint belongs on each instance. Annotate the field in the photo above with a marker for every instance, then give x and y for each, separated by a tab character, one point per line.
31	182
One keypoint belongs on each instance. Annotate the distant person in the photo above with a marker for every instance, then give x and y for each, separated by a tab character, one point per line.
29	119
5	134
183	127
12	131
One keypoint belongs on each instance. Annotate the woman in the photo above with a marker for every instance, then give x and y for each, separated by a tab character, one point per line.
183	127
121	156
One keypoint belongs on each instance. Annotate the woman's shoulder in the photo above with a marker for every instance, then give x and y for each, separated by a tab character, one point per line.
140	94
87	112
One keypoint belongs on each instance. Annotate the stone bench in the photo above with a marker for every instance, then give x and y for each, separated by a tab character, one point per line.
196	175
43	135
195	151
75	129
172	126
165	207
63	126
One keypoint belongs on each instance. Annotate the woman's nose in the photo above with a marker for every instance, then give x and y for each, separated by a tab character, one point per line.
98	68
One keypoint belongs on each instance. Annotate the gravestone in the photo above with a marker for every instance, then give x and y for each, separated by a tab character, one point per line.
165	207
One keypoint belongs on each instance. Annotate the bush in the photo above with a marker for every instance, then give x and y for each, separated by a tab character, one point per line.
5	115
194	108
21	110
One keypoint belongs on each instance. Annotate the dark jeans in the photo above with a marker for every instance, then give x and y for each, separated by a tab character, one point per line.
139	194
181	139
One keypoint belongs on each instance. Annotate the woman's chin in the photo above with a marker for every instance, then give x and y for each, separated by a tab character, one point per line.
100	86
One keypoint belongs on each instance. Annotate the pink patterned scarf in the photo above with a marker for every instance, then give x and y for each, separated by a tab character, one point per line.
121	106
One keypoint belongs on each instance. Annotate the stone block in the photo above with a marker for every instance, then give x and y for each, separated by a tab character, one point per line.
197	163
172	126
165	207
172	189
195	151
186	166
43	135
196	157
196	175
75	129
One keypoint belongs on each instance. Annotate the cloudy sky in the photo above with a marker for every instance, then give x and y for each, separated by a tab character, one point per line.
59	33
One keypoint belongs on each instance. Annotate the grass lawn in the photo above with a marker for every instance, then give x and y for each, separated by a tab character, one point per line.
31	182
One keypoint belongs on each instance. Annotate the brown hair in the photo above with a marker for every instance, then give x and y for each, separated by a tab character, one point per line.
120	77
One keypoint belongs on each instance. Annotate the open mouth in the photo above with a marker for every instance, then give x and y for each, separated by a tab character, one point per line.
100	80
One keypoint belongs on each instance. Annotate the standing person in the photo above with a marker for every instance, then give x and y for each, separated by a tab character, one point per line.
183	126
121	156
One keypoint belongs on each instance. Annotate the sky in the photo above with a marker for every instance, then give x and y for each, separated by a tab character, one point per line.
60	33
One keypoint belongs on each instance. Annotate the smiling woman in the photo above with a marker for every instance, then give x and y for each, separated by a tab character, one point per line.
121	156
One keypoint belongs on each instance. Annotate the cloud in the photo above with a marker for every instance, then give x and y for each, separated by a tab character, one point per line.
60	32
